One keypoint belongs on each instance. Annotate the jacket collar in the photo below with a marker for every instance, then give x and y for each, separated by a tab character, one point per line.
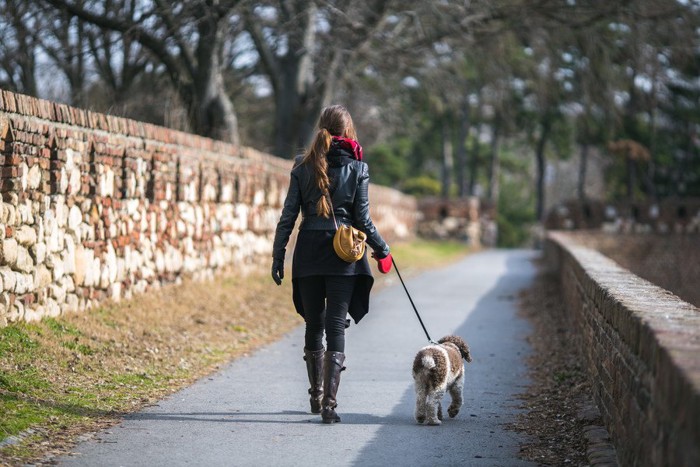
338	156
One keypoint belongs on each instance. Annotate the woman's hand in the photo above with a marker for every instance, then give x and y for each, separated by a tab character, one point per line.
277	270
383	263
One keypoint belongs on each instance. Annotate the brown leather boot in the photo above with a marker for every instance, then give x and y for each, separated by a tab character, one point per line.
332	366
314	368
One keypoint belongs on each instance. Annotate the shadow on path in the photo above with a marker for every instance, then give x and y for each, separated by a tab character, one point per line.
477	435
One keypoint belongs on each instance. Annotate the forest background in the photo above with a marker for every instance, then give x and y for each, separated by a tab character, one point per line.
451	98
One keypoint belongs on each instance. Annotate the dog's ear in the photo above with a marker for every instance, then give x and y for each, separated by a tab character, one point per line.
461	345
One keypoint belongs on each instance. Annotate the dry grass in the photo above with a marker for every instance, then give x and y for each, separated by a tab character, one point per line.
61	378
82	372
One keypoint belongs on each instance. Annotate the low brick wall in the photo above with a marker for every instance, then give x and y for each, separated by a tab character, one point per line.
97	207
642	353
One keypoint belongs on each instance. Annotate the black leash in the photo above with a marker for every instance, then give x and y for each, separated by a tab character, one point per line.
411	300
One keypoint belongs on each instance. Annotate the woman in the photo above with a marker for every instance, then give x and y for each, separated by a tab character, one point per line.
329	181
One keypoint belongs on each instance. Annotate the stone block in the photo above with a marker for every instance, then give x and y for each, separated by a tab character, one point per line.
34	177
24	214
38	252
26	236
75	218
42	277
24	283
24	262
53	309
6	301
34	314
8	214
9	252
81	265
57	292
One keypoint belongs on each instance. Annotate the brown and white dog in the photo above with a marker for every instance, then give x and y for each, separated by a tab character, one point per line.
436	369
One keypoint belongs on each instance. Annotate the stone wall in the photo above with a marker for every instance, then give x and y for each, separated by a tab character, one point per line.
97	207
641	346
466	219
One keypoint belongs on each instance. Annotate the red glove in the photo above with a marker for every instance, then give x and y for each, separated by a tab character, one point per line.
383	264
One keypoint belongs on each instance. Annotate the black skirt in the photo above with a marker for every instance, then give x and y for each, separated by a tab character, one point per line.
314	256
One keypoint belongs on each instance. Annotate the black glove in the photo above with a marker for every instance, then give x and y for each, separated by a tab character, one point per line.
277	270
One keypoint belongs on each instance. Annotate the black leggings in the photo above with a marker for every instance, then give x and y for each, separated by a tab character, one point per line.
326	300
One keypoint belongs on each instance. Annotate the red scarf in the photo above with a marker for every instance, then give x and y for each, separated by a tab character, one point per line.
351	145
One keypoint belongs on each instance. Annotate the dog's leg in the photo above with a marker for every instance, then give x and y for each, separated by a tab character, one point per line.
456	394
439	414
434	399
420	403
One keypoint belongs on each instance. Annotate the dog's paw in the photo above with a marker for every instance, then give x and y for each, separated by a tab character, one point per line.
420	418
434	422
439	414
453	411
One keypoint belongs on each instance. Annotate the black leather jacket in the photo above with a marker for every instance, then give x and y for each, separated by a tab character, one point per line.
349	187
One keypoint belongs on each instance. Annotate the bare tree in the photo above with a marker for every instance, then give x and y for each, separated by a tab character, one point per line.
119	58
63	39
187	38
305	49
18	46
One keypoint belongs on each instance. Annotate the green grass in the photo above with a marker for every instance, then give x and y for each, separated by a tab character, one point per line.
27	395
427	253
61	328
15	339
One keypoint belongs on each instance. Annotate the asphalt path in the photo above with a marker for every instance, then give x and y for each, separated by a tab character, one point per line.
254	412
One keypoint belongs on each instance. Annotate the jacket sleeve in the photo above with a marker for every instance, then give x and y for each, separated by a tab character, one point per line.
290	211
362	219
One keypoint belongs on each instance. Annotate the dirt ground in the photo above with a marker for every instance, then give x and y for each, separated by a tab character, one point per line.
557	404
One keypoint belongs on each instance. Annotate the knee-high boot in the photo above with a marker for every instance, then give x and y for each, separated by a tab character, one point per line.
314	368
332	366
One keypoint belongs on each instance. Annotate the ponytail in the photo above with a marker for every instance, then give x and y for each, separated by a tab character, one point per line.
334	121
316	156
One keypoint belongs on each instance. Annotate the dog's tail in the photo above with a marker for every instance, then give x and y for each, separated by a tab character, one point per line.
430	367
428	362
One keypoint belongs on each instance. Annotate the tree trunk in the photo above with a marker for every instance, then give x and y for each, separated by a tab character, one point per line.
582	171
26	61
541	165
462	136
631	179
211	112
287	117
495	163
473	162
299	96
214	115
447	158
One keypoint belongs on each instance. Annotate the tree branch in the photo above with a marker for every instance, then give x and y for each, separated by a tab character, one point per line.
153	44
268	60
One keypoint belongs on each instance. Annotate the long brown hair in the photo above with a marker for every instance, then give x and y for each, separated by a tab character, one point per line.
335	120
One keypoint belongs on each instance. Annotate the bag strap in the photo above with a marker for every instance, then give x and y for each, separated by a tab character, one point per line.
330	200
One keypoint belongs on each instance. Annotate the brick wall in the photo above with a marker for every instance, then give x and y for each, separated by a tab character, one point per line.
97	207
642	354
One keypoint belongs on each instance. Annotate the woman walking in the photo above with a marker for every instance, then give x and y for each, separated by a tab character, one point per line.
328	184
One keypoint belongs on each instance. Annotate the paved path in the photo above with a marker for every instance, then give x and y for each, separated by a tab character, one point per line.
254	412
